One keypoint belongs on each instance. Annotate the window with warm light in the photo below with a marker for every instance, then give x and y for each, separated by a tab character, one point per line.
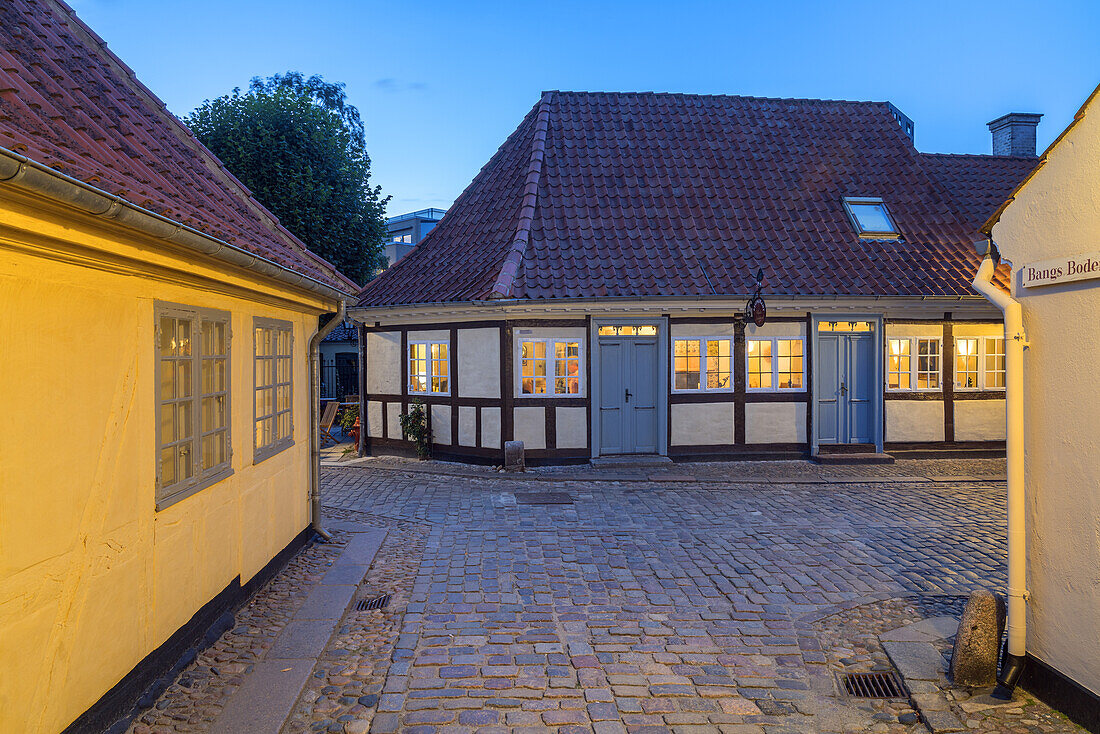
194	449
549	367
702	364
775	364
980	363
629	330
870	217
913	363
429	368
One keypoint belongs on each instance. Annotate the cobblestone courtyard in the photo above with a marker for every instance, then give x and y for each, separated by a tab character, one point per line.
724	598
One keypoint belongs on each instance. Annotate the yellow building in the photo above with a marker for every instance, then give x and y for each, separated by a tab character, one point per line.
156	325
1050	232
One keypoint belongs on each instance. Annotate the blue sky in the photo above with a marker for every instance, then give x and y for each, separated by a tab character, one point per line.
440	85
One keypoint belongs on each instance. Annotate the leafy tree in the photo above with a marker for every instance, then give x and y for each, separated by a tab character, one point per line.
300	147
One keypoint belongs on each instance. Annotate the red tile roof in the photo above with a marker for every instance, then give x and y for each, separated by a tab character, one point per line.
648	194
70	104
978	184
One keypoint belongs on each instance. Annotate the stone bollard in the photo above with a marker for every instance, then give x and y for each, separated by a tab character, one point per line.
513	456
978	640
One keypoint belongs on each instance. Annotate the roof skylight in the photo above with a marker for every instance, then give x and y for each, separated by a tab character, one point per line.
870	217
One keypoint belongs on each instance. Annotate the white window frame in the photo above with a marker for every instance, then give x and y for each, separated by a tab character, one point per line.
201	476
775	364
551	370
702	341
429	343
892	234
914	363
982	376
262	452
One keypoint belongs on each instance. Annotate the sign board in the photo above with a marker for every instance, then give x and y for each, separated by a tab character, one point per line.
1061	270
759	312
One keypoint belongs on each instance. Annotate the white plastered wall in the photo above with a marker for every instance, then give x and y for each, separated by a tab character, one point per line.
702	424
479	363
775	423
571	430
383	362
530	426
914	420
1058	214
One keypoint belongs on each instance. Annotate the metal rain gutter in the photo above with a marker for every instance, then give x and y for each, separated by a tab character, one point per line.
314	421
25	173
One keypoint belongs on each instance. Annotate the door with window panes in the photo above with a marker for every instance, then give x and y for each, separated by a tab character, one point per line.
628	389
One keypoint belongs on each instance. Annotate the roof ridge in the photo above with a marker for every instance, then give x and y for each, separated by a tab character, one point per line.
982	155
509	270
721	96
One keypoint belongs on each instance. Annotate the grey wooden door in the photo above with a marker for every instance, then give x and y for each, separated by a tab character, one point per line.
628	395
844	385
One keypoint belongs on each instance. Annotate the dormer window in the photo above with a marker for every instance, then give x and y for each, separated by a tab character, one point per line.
870	217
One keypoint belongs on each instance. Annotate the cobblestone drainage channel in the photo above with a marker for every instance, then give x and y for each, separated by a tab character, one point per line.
377	602
873	685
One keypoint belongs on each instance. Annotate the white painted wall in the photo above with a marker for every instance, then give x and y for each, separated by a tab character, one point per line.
467	426
571	428
916	420
374	419
490	428
702	424
775	328
979	420
708	329
897	331
1057	214
441	424
393	420
479	363
530	426
775	422
384	362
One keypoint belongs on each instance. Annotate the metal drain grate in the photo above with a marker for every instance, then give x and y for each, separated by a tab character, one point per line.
377	602
543	498
873	685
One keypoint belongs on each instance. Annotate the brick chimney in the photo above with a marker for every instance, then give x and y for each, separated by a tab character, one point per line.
1014	134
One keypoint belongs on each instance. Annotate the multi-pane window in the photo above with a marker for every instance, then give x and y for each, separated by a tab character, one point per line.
429	368
549	367
913	363
980	363
273	353
702	364
775	364
899	364
994	362
192	400
966	363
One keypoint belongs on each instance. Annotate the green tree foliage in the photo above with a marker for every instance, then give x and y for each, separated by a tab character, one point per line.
300	147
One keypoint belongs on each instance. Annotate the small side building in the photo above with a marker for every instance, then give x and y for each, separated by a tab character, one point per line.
1050	232
155	323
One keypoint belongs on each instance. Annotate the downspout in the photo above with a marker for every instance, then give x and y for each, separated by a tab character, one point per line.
1015	342
314	421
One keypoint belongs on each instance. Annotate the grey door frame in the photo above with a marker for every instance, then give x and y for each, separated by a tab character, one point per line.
878	349
661	322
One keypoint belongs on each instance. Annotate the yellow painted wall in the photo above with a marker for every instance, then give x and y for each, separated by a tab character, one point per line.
1058	214
92	577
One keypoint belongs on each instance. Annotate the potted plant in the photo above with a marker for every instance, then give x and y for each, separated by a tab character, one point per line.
414	424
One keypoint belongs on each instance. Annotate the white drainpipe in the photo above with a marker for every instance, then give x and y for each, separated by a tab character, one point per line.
1015	342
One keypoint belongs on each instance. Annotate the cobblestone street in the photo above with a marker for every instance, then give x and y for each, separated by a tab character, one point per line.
716	598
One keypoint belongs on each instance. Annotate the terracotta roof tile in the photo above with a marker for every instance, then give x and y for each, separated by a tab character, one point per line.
668	194
67	102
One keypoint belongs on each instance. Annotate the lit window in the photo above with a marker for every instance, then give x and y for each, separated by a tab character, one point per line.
429	368
844	326
980	363
905	373
870	217
702	364
549	367
775	364
898	364
192	401
272	362
994	362
645	330
966	363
